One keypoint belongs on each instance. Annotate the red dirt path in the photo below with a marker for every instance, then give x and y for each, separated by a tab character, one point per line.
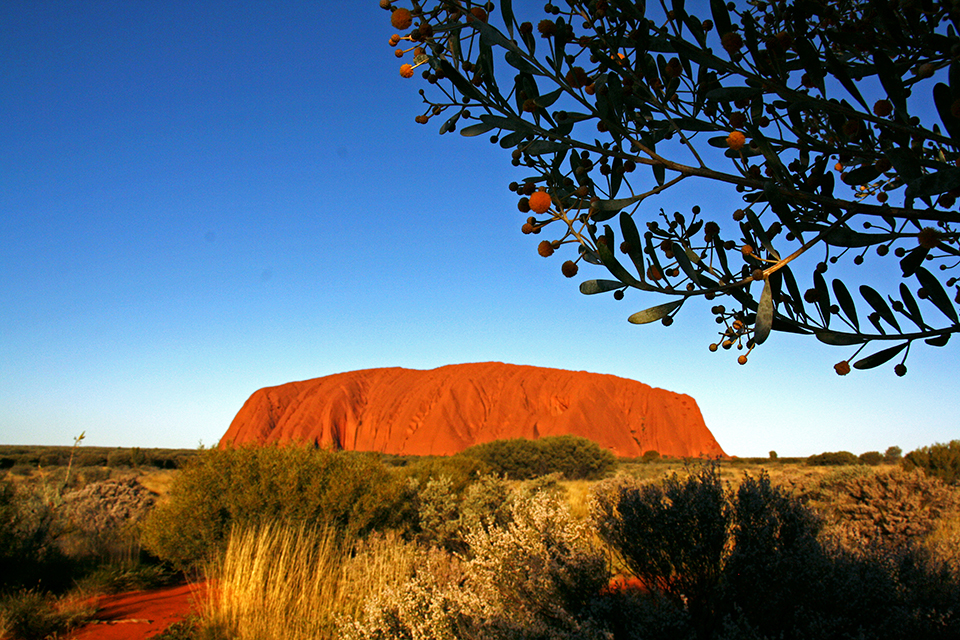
138	615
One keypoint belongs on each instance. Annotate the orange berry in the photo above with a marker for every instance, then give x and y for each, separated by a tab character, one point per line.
736	140
569	268
394	40
545	248
838	167
540	202
732	42
742	359
406	70
882	108
401	19
842	368
478	13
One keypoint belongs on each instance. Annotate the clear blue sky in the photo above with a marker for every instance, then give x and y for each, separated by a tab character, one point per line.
199	199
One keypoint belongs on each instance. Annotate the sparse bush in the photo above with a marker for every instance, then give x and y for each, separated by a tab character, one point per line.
444	514
650	456
535	577
100	519
522	459
881	509
120	458
892	455
872	458
32	615
773	455
939	460
671	535
283	484
833	458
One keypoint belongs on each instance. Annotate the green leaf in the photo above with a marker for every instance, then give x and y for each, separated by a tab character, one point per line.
506	10
836	339
845	301
462	84
892	82
721	17
824	296
616	204
654	313
542	147
605	253
943	98
795	296
939	341
933	184
911	306
510	124
494	36
632	237
936	294
913	260
591	287
761	329
848	238
476	129
517	61
839	71
660	174
761	233
683	261
731	94
862	175
879	305
880	357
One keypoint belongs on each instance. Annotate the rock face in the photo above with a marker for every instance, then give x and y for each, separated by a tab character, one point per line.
443	411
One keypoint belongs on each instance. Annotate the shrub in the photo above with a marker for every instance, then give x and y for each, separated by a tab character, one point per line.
773	455
892	455
671	535
32	615
939	460
882	509
833	458
537	576
28	530
120	458
650	456
522	459
284	484
872	458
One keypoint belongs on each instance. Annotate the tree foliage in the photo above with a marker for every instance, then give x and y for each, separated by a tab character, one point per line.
837	123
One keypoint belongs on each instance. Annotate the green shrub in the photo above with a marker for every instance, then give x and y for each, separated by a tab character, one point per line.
521	459
671	535
650	456
833	458
892	455
939	460
281	484
120	458
872	458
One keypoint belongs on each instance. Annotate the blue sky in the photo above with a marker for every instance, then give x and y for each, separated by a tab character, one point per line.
199	199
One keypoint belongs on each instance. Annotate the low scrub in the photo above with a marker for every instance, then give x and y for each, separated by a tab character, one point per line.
833	459
938	460
224	488
571	456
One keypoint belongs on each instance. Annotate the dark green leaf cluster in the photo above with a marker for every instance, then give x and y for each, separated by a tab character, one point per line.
571	456
836	124
938	460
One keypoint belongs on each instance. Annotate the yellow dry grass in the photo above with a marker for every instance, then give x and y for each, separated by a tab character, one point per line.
295	583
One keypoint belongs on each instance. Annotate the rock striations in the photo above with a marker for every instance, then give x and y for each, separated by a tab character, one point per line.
443	411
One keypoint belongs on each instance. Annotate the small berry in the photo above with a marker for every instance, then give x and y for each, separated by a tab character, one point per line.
742	360
569	268
842	368
928	238
746	250
882	108
540	202
394	40
736	140
406	71
900	369
714	347
478	13
618	294
666	321
545	249
401	19
732	42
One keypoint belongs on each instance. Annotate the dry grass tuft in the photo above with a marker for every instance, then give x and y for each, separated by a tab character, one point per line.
296	582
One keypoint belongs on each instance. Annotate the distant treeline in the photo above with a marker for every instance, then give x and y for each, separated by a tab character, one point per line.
83	456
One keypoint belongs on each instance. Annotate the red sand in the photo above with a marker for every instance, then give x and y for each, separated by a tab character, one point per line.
136	615
443	411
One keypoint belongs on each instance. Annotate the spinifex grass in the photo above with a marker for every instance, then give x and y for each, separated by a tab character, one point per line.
295	582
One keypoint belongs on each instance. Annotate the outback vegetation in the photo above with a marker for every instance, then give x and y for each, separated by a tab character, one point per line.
833	127
307	543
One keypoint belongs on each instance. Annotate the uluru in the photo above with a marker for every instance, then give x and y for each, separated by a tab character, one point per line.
445	410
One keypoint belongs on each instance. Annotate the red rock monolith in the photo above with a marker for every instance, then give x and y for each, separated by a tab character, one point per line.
443	411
